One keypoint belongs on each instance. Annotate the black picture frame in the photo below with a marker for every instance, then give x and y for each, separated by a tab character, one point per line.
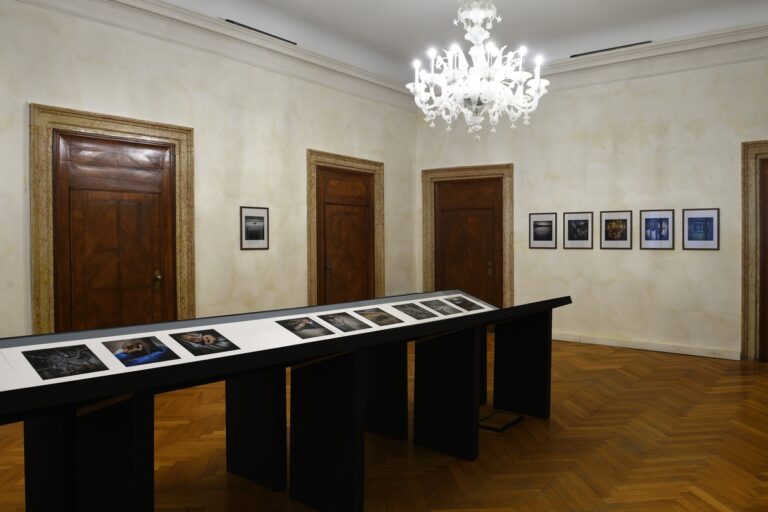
551	241
616	215
691	244
568	242
254	228
647	242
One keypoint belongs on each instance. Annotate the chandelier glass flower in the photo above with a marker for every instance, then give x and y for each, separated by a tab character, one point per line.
494	85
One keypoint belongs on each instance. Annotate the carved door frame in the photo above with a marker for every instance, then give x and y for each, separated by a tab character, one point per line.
43	121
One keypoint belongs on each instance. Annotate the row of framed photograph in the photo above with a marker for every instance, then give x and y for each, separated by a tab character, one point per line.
98	356
701	229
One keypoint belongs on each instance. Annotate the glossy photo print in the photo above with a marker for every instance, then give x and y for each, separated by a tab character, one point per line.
305	327
53	363
465	304
542	231
344	322
205	342
254	227
616	230
378	316
139	351
441	307
414	311
657	229
577	230
701	228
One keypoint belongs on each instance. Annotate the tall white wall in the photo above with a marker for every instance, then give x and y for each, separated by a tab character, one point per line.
660	133
252	130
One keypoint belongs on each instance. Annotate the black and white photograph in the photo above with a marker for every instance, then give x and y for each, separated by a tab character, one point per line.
254	227
53	363
463	303
577	230
542	230
441	307
304	327
701	229
344	322
616	229
415	311
657	229
139	351
378	316
205	342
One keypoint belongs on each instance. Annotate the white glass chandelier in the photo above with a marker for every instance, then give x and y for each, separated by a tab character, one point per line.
494	85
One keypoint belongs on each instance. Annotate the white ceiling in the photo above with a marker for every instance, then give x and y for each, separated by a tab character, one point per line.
384	36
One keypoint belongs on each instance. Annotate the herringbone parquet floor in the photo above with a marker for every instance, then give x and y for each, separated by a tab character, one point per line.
630	431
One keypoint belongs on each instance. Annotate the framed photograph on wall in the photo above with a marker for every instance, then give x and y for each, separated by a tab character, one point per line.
577	230
657	229
616	230
254	228
542	228
701	228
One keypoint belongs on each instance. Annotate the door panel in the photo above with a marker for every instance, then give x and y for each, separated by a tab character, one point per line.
114	236
345	236
468	237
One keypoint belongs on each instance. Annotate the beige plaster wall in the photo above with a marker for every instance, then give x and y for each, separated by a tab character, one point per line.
670	140
252	130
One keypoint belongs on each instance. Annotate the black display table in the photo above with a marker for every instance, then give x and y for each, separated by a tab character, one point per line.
89	433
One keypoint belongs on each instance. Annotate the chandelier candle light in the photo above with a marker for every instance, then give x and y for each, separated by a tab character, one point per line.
495	83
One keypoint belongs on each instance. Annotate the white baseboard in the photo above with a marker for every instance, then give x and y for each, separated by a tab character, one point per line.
652	345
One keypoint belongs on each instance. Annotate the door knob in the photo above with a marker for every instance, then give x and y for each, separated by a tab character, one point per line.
328	269
157	278
489	268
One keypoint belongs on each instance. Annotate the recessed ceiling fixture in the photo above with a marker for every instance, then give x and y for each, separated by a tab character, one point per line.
495	84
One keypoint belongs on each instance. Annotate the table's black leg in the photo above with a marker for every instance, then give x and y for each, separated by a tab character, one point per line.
93	458
446	404
327	436
256	427
386	389
523	364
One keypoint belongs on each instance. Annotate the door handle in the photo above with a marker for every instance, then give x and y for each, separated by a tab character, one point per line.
489	269
157	277
328	269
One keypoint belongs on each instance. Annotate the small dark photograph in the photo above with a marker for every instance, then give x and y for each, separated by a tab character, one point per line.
657	229
345	322
701	229
417	312
138	351
542	230
254	228
441	307
378	316
616	230
202	343
464	303
52	363
304	327
578	230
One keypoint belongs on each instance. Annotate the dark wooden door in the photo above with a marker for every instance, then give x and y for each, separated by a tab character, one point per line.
468	237
345	236
762	349
114	232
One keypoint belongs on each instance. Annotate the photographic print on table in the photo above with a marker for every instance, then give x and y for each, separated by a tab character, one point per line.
542	230
305	327
378	316
657	229
139	351
203	343
254	228
415	311
53	363
441	307
577	230
344	322
463	303
701	228
616	230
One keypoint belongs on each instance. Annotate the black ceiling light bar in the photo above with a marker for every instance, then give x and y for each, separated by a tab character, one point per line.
243	25
609	49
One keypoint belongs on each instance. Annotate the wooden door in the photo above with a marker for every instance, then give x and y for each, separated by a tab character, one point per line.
468	237
762	349
114	237
345	236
